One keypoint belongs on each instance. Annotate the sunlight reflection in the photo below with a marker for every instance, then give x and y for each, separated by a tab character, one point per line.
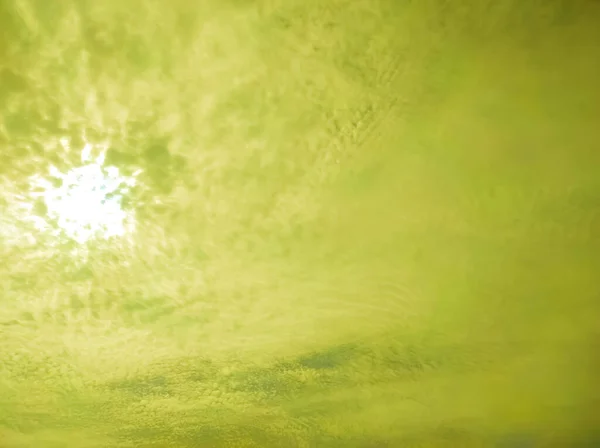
84	202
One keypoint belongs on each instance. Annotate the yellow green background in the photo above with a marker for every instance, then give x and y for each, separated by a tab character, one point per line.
380	224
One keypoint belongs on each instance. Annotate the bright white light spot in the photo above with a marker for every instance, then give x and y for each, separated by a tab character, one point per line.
86	201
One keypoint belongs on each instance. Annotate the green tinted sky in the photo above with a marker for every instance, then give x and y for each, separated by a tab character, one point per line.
344	223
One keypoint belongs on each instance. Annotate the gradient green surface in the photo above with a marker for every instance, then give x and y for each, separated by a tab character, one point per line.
379	224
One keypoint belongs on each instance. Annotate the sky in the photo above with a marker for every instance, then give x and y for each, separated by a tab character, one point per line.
294	223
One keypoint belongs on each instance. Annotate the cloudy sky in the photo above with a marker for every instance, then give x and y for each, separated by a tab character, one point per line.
316	223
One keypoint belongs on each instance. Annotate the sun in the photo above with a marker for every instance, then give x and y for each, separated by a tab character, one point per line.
85	202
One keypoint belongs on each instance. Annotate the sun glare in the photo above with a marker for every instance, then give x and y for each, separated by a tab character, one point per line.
84	202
